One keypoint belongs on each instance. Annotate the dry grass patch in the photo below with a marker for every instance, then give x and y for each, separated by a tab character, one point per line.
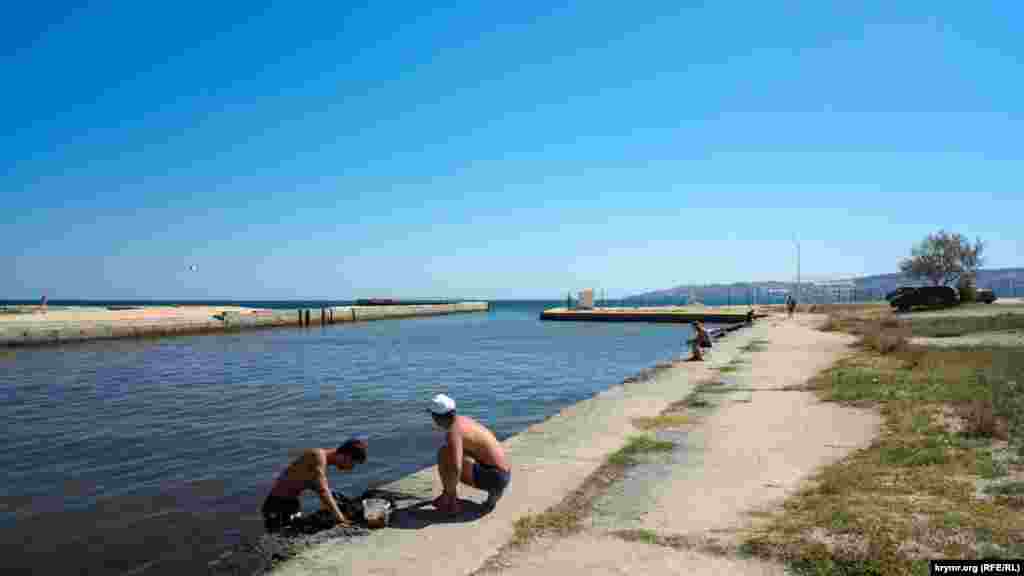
861	308
553	522
640	535
661	422
945	326
911	495
979	419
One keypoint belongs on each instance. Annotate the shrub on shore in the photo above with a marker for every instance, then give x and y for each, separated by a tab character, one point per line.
885	336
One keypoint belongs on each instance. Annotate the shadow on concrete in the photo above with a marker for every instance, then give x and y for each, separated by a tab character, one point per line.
423	514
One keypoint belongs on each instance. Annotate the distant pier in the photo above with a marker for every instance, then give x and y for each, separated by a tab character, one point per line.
65	325
669	314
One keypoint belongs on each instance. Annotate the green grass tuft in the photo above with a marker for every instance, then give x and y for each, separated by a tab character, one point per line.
988	467
755	345
627	455
663	421
695	401
1015	488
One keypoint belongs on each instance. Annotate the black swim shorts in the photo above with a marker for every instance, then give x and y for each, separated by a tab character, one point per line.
492	479
279	512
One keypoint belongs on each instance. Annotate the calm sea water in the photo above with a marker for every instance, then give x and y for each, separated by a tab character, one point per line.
153	457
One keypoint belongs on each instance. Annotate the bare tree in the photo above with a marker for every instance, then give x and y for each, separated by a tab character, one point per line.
943	258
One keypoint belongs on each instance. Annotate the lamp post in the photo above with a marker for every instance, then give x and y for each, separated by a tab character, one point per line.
797	244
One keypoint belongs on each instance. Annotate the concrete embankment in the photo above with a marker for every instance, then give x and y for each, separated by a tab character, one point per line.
61	326
671	314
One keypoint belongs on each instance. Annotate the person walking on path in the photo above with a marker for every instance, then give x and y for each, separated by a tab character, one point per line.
309	472
471	454
790	304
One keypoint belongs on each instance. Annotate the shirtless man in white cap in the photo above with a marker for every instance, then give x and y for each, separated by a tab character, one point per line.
471	454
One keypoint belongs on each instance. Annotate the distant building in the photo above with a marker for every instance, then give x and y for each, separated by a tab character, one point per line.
836	290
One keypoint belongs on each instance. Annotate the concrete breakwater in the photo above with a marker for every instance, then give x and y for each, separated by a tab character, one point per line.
671	314
76	325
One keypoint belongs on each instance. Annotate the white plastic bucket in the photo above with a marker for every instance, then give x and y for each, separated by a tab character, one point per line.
377	512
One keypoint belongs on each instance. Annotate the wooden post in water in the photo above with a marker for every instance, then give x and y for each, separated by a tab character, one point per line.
323	316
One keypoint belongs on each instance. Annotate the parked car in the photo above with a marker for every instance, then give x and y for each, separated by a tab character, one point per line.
986	295
906	298
898	291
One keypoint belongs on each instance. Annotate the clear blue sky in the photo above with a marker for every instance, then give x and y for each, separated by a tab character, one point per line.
497	150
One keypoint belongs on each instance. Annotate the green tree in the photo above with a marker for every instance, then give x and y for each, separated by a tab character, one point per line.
943	258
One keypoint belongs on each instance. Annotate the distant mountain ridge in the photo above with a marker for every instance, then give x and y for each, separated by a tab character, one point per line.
1006	282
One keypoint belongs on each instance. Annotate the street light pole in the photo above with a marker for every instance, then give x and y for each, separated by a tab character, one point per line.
797	268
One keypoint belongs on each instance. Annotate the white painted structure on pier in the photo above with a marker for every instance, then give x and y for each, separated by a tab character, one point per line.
586	299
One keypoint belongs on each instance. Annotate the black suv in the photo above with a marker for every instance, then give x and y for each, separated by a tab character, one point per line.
986	295
898	291
907	297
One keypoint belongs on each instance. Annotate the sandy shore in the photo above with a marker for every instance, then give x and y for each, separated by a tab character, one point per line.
746	454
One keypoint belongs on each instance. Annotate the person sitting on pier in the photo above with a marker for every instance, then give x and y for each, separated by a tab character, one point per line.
309	472
700	340
471	453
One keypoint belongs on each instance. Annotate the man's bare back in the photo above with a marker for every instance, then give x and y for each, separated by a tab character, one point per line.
309	472
478	442
303	473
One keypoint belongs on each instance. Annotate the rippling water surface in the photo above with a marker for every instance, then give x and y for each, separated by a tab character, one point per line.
153	456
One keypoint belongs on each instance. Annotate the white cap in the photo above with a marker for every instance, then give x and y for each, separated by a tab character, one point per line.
441	404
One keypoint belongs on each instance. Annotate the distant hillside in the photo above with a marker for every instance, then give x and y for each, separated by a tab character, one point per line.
1006	282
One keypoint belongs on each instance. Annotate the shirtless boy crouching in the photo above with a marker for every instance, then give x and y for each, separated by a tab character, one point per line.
471	454
309	472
